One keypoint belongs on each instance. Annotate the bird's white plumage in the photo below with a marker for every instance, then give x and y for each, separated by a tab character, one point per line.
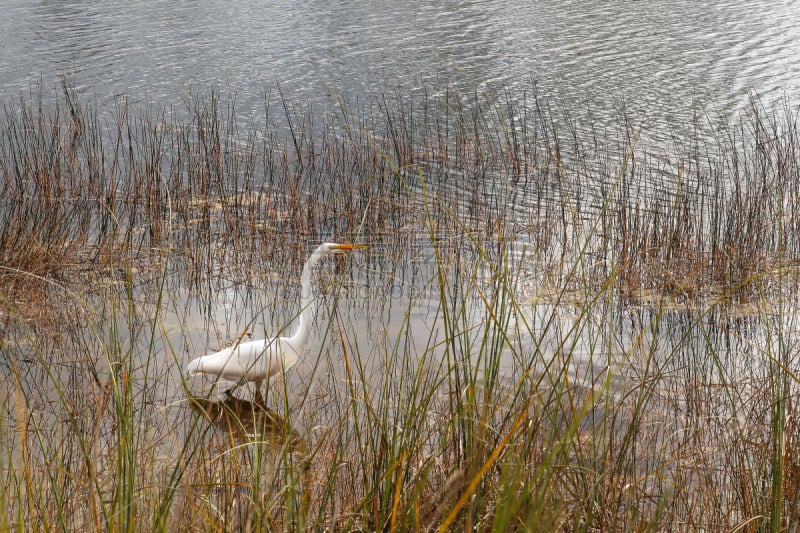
258	360
253	361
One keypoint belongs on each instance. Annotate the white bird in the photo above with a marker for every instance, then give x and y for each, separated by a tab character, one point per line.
258	360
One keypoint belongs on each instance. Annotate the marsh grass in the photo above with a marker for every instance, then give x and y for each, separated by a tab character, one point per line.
608	342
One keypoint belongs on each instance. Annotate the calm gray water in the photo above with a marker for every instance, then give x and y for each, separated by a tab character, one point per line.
662	59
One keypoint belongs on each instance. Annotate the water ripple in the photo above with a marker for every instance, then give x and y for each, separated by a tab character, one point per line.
659	57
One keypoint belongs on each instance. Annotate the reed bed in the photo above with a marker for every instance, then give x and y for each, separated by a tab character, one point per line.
553	329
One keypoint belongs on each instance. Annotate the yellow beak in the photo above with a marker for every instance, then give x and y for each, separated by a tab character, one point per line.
349	247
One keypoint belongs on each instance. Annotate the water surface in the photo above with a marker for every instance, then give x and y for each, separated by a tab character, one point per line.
662	61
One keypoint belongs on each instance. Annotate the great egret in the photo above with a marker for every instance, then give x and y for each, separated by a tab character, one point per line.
258	360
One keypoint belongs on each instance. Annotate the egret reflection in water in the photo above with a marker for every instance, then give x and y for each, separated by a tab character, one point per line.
247	420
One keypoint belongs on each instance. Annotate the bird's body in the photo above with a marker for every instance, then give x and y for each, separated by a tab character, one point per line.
251	361
258	360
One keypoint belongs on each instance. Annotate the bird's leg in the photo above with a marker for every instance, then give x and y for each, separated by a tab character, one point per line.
259	399
229	392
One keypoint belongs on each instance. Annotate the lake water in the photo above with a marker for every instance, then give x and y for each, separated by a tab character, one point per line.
664	60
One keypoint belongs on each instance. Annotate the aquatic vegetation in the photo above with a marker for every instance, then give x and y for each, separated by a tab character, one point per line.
554	329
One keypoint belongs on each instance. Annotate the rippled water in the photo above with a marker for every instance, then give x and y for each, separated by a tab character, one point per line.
662	59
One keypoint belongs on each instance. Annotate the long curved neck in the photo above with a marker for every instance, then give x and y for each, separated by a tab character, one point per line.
308	304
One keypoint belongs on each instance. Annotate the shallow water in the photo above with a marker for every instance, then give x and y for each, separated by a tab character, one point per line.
380	342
